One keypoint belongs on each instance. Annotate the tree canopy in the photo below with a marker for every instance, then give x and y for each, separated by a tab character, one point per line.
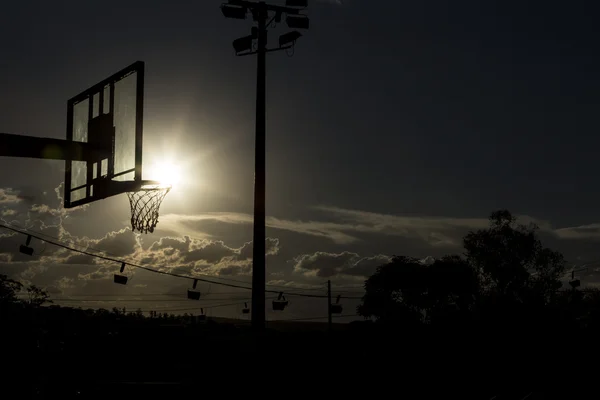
505	262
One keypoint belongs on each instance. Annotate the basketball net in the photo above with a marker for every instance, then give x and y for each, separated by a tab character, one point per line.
144	204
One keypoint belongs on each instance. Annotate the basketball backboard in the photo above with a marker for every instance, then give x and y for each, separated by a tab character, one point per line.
109	115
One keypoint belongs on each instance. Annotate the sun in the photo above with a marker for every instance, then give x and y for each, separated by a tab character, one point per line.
165	172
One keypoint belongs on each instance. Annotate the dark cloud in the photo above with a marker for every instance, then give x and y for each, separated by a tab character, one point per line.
271	249
211	252
365	266
327	265
233	270
182	270
122	243
79	259
182	244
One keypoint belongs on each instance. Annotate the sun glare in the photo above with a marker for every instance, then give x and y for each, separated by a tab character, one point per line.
166	172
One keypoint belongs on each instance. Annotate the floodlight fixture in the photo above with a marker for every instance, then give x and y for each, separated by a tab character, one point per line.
243	44
296	3
193	294
298	21
233	11
575	283
121	279
336	308
289	37
281	303
25	249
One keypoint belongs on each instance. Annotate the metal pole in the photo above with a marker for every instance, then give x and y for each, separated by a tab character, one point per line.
259	237
329	321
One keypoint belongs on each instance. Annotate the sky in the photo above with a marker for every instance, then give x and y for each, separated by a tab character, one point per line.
394	129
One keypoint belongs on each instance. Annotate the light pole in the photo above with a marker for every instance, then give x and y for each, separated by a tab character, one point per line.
264	15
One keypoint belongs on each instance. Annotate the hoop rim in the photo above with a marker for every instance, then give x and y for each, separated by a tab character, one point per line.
146	185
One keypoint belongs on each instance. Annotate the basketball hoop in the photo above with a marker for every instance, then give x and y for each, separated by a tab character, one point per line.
144	203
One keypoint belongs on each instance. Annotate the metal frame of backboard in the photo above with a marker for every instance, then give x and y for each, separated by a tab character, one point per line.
97	184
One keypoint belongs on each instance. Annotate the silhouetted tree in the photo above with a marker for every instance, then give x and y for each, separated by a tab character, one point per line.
395	292
37	296
452	288
511	261
406	290
8	290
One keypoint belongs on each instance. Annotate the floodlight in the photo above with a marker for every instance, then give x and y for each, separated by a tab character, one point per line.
121	279
25	249
243	44
281	303
575	283
336	308
193	294
296	3
232	11
289	37
298	21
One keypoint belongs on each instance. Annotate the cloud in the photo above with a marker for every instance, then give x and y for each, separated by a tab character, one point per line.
189	224
437	231
271	248
9	196
190	252
326	265
119	244
591	231
181	254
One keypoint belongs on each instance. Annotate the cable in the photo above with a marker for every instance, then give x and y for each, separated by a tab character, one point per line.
113	255
57	242
313	318
192	308
146	294
158	271
138	300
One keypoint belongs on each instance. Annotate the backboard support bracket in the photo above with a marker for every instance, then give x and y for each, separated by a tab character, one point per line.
13	145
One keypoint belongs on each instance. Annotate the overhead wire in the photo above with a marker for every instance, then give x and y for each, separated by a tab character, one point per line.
134	265
87	248
206	307
57	242
313	318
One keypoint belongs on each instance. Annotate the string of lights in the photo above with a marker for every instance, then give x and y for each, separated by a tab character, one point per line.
74	247
162	272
